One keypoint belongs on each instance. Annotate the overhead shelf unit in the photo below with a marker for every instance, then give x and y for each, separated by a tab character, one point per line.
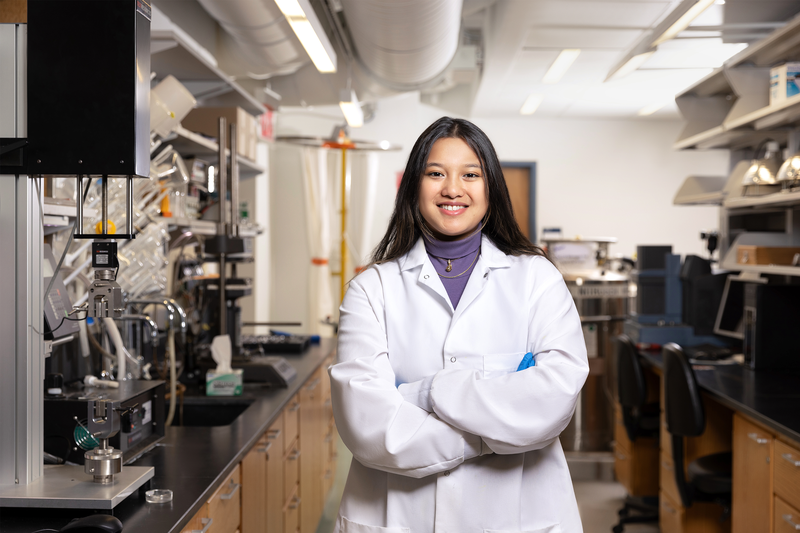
189	143
174	52
730	108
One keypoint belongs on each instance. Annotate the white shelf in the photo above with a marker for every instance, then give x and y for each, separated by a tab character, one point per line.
751	119
761	239
207	227
173	52
189	143
768	200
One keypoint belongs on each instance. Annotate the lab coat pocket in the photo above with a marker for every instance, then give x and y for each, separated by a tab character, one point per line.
555	528
352	527
497	365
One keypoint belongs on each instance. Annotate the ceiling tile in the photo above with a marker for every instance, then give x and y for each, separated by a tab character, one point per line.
566	13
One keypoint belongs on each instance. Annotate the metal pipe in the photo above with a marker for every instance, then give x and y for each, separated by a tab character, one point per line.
177	314
234	183
104	204
147	320
79	205
223	307
223	179
343	261
129	206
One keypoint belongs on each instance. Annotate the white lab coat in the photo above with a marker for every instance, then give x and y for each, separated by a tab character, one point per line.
487	458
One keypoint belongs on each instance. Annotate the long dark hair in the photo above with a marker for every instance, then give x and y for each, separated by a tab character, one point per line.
406	224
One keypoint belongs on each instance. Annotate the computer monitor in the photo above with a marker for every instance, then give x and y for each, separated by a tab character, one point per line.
730	315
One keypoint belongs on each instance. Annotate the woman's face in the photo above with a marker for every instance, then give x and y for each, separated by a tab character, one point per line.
452	192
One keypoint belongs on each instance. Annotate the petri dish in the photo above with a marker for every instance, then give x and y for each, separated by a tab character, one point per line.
158	496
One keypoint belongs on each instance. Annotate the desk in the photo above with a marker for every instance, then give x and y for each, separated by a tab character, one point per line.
757	416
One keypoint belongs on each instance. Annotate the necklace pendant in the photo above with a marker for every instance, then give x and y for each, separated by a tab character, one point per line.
449	266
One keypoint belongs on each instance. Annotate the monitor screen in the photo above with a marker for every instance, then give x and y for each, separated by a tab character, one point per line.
730	315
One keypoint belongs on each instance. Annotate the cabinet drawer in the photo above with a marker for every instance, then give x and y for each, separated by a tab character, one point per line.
291	422
198	521
291	513
670	515
224	507
291	469
623	466
751	510
787	518
787	473
620	434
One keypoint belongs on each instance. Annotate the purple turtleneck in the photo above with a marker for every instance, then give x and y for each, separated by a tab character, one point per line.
463	255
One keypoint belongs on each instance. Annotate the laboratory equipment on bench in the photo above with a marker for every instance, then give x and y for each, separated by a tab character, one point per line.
67	431
600	286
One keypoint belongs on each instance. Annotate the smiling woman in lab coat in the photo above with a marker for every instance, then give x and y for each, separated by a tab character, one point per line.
451	431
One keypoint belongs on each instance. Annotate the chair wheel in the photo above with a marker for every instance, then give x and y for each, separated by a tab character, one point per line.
617	529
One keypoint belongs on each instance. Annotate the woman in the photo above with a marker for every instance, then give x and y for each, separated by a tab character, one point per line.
451	431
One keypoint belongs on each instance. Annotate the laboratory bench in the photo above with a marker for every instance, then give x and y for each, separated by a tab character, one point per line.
205	467
753	414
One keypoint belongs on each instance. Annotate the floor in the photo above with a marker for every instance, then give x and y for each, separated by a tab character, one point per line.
598	501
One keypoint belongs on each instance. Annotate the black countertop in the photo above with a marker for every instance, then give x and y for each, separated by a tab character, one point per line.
771	398
191	461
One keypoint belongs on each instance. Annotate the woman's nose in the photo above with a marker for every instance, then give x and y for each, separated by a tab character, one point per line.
452	188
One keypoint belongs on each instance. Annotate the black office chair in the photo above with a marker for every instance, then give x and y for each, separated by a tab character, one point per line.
707	478
641	419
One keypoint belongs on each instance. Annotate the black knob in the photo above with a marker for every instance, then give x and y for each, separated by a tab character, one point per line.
53	383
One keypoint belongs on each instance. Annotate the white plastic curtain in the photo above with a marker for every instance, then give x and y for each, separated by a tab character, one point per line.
318	226
364	181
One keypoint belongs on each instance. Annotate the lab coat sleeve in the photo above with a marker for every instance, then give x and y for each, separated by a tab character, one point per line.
525	410
381	428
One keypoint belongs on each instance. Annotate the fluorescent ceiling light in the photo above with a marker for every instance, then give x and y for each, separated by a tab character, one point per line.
683	22
632	64
531	104
306	26
351	109
561	65
652	108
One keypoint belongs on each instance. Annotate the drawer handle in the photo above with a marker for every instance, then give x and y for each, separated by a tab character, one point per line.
208	521
621	456
668	507
327	402
228	496
328	474
313	385
666	466
295	503
294	456
265	449
295	406
790	458
759	440
273	434
788	519
328	438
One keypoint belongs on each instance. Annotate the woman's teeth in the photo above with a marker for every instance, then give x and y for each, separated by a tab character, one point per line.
453	207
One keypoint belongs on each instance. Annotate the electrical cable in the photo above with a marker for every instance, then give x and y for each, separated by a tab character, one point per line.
69	242
49	330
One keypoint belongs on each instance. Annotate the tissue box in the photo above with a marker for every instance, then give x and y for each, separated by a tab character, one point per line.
783	82
224	384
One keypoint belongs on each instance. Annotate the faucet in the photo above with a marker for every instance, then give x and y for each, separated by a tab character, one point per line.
176	313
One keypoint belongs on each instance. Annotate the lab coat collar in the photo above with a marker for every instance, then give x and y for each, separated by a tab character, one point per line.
491	257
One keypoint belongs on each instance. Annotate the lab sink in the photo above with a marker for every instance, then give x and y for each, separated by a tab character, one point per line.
209	412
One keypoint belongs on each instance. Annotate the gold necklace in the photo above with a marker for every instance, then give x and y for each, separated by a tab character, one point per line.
449	266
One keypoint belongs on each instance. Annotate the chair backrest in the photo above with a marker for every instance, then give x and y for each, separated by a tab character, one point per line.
631	385
683	409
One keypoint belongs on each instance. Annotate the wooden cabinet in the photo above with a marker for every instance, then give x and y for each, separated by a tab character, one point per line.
312	433
787	473
786	518
635	463
199	522
262	483
224	506
275	492
752	477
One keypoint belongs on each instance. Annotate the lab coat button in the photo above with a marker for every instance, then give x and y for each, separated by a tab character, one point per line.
452	359
447	473
426	276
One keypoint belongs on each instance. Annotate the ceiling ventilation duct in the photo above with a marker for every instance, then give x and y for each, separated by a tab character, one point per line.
405	44
263	41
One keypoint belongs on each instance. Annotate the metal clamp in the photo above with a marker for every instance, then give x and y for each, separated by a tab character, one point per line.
788	519
236	486
206	523
789	457
755	437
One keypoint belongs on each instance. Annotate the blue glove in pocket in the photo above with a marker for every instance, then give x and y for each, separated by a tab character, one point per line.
527	362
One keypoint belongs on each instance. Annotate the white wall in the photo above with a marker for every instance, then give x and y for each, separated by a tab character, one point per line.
612	178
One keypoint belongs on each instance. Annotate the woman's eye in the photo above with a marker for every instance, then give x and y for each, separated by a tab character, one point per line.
471	176
435	174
